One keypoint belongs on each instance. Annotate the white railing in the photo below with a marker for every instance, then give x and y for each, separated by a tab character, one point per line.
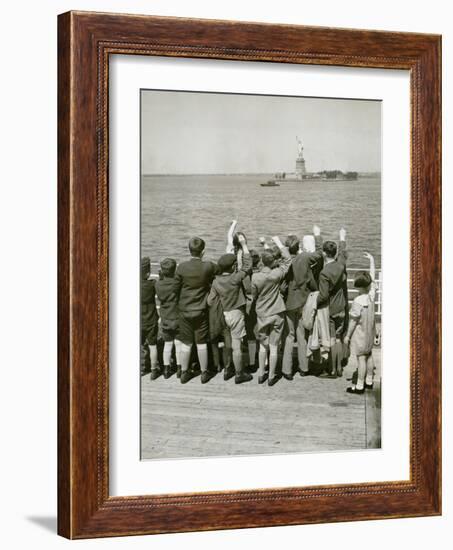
352	291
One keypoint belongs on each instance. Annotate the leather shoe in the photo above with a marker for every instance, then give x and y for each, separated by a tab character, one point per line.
185	377
167	372
355	390
206	376
272	381
242	377
228	373
154	374
262	379
287	376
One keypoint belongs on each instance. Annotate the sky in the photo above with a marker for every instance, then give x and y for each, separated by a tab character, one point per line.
208	133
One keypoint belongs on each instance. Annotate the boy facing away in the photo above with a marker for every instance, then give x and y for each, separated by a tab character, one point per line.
192	284
228	287
169	315
300	282
270	308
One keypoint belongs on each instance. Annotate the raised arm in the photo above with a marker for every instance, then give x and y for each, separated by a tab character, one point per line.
352	323
316	256
230	247
239	259
245	265
318	240
372	291
342	253
280	272
372	265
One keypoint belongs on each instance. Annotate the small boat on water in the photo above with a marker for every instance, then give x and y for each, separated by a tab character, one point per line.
270	183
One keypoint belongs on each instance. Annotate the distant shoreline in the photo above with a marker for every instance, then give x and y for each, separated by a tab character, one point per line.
360	174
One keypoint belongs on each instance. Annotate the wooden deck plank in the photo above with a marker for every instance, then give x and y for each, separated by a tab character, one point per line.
221	418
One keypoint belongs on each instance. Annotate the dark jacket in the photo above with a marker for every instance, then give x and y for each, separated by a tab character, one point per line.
148	311
192	283
166	293
301	279
317	259
333	287
229	288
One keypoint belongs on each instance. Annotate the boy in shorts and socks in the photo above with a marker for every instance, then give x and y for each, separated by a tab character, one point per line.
228	287
169	317
270	308
192	284
149	317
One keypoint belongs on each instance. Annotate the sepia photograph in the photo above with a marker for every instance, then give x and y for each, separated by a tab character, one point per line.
261	276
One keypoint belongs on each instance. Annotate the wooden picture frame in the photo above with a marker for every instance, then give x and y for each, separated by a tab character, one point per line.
85	42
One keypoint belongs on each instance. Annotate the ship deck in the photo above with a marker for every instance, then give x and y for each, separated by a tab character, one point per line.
220	418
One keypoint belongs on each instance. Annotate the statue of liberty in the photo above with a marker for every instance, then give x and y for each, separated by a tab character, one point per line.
300	147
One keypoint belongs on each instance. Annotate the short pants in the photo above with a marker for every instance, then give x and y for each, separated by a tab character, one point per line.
194	327
269	329
234	320
149	334
169	329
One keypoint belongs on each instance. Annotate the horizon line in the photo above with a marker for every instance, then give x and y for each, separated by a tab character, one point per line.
249	173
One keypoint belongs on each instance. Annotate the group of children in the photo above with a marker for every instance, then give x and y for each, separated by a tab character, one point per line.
277	296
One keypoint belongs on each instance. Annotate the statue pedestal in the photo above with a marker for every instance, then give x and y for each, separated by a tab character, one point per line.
300	168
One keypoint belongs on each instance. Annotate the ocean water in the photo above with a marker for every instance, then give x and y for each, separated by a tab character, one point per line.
175	208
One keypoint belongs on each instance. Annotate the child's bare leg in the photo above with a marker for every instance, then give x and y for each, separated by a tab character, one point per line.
361	372
237	354
227	355
369	370
262	356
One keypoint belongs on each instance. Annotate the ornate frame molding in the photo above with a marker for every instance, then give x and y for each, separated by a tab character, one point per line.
86	40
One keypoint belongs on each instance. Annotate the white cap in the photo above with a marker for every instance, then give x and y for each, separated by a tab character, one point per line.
308	243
